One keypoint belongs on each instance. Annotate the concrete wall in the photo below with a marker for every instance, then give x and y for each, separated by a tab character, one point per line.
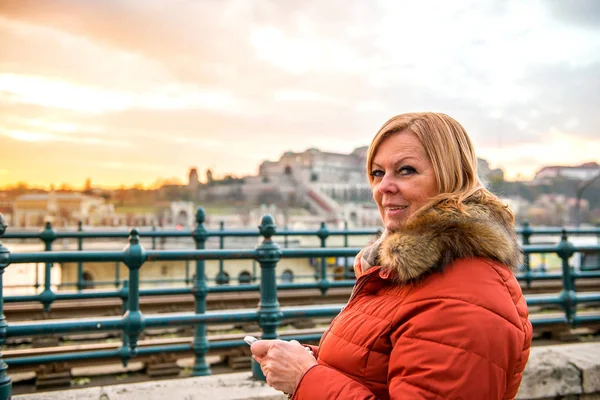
562	371
569	371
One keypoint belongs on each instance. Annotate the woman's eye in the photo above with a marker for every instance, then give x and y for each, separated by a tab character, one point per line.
377	173
406	170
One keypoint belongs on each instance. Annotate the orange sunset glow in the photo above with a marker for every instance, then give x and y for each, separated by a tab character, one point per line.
130	92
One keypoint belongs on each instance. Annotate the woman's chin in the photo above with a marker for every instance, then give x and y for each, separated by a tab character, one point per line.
394	225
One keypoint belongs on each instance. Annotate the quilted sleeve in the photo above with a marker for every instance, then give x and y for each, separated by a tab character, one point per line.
324	383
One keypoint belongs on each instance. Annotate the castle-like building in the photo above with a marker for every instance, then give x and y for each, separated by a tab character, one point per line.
314	165
331	185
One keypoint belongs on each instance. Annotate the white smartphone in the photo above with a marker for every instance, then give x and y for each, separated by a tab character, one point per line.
250	340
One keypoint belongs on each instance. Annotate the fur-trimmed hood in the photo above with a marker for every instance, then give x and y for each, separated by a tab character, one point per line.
438	237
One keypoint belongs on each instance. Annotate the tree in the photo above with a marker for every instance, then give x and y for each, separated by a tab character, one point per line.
65	187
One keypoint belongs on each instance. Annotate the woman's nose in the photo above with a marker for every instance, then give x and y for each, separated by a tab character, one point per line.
388	185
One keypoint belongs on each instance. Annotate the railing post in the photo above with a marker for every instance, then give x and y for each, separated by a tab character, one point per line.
269	315
285	238
124	350
200	289
133	320
567	294
117	274
47	296
527	232
346	264
37	278
323	233
221	280
5	381
79	263
187	272
153	237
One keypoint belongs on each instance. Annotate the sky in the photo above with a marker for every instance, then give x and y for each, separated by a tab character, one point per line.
132	91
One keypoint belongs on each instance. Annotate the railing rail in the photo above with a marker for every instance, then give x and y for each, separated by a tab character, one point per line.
269	315
48	236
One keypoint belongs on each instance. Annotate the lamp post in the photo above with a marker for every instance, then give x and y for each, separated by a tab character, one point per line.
579	194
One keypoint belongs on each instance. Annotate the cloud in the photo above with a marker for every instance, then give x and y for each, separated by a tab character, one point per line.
525	160
271	76
581	13
571	98
47	51
61	94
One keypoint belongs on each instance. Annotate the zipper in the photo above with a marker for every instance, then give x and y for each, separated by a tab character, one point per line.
356	289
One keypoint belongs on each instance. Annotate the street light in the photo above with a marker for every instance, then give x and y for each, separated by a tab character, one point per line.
579	194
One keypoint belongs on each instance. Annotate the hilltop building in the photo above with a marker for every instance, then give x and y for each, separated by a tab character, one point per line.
333	186
581	172
320	181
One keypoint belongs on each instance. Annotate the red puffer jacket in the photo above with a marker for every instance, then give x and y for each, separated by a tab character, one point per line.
443	317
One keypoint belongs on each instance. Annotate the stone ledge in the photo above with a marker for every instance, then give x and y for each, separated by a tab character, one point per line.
236	386
562	370
553	372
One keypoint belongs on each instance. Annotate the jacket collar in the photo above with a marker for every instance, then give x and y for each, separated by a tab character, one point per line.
438	237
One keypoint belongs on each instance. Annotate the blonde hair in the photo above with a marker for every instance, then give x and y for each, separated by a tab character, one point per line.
451	153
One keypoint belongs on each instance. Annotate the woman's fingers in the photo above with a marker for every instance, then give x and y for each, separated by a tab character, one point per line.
282	362
261	347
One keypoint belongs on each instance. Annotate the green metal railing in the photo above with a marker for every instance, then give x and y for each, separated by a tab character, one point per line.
48	236
269	314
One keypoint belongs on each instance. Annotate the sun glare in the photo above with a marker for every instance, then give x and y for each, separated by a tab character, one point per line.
60	94
29	136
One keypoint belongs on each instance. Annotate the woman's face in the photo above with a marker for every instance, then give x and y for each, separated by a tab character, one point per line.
403	178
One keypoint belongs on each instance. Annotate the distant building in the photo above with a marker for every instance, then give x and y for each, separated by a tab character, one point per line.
6	208
556	209
518	205
193	181
580	173
322	182
319	180
60	208
314	165
487	174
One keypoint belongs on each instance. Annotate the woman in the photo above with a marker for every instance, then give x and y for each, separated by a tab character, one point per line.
436	312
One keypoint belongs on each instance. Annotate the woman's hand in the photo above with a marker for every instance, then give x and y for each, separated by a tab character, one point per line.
283	363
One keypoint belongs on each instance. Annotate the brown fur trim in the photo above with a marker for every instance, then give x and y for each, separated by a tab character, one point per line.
438	238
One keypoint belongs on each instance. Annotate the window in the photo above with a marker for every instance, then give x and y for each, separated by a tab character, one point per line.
245	278
223	279
287	276
87	280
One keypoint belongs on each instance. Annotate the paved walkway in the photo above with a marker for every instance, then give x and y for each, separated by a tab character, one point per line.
236	386
557	371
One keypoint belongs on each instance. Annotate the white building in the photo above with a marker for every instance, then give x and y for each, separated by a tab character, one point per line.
60	209
581	172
